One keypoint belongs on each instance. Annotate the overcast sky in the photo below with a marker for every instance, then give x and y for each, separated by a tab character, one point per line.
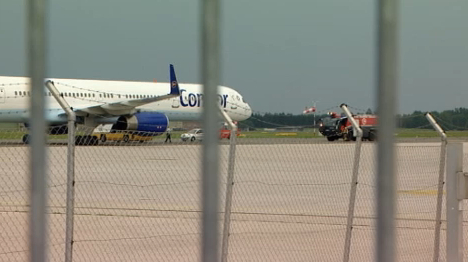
280	55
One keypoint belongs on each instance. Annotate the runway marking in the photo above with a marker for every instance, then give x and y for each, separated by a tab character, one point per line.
423	192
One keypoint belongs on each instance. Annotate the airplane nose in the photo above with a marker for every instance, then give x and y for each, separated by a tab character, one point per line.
248	111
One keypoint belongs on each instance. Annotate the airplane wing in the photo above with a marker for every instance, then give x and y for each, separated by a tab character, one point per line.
128	106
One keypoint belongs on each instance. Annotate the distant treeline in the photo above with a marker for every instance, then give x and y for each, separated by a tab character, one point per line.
456	119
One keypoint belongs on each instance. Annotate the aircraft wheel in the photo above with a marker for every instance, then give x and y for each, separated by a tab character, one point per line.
78	140
93	140
346	137
26	139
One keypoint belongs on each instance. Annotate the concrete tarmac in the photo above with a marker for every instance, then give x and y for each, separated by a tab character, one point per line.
290	201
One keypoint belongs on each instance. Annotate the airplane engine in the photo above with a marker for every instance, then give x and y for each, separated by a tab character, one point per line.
143	122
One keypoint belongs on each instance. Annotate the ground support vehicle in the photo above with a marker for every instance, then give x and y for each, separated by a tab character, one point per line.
334	127
106	133
125	136
192	135
226	133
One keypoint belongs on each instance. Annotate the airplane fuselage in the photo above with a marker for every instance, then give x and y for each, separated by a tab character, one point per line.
82	93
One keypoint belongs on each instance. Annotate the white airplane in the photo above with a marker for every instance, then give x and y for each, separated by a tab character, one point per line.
133	106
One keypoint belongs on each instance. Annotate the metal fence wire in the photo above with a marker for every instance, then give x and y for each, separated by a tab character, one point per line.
141	200
14	197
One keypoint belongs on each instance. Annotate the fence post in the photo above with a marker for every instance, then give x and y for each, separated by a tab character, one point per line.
210	70
440	185
36	49
70	170
387	65
454	169
352	195
229	186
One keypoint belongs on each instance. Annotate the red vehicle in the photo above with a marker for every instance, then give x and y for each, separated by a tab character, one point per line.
335	127
226	133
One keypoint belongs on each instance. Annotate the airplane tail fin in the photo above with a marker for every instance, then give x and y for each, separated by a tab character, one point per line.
174	84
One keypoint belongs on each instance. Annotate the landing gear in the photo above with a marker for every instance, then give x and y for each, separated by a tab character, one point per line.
26	139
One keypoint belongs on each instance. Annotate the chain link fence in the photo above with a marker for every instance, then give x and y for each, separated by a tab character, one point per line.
139	199
14	197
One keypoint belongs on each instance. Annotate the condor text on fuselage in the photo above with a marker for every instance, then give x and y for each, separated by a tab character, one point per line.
195	100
